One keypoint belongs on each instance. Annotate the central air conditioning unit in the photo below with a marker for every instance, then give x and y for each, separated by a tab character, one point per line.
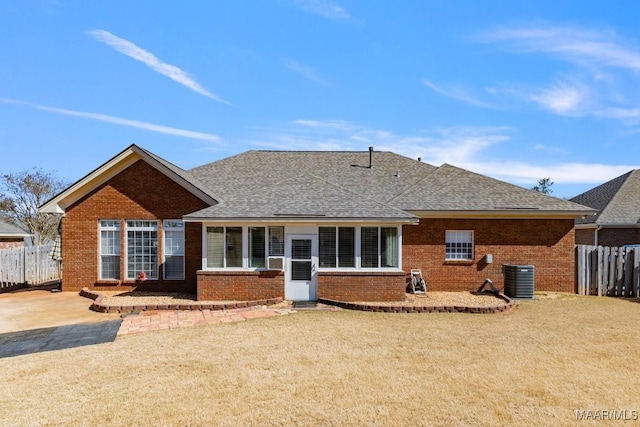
275	263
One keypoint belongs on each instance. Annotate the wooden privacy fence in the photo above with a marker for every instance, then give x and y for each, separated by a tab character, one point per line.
28	265
608	271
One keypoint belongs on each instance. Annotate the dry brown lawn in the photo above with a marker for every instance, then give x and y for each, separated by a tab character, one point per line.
532	366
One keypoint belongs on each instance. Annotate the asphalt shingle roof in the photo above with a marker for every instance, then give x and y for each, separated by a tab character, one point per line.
341	185
618	201
450	188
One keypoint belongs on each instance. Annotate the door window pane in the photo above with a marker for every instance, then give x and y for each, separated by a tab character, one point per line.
300	249
300	270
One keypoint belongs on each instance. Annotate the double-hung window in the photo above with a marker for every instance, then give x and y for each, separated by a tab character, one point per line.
142	249
379	247
337	247
459	245
173	249
109	249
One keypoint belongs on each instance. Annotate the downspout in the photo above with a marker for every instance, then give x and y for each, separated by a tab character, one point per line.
595	239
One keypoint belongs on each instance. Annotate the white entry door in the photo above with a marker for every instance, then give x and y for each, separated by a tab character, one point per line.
301	276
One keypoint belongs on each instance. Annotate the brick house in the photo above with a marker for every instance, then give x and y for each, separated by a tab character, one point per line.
617	222
305	225
11	236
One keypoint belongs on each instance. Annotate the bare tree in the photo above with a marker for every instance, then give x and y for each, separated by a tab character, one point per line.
543	186
22	193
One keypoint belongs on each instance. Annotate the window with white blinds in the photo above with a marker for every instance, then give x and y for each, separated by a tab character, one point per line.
379	247
337	247
173	249
109	249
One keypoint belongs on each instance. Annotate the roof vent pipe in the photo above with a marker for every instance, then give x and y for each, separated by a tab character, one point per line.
370	157
419	159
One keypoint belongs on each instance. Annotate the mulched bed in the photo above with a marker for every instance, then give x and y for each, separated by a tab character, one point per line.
461	302
126	302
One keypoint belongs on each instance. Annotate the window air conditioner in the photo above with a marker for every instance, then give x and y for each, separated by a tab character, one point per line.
275	263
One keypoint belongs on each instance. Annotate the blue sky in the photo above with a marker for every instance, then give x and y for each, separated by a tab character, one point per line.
512	89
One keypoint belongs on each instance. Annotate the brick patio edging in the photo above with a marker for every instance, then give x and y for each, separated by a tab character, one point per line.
400	308
103	308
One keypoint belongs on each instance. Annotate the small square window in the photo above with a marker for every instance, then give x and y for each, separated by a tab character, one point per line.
459	245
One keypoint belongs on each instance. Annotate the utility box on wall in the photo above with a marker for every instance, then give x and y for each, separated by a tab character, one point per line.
519	281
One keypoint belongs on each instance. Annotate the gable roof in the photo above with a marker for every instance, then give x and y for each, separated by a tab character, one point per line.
127	157
617	201
10	230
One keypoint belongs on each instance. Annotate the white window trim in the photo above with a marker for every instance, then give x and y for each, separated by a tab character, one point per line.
126	248
100	254
473	246
358	254
245	243
166	228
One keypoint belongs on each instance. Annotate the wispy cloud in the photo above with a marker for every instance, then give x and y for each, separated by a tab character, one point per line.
119	121
306	72
463	146
602	47
149	59
602	62
437	146
323	8
562	98
457	93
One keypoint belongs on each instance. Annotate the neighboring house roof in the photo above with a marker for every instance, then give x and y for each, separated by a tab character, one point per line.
332	185
617	201
10	230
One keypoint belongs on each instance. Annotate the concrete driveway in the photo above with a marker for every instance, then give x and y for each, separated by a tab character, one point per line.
35	309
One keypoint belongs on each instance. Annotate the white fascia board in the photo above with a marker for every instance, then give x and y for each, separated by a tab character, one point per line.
304	220
591	226
102	174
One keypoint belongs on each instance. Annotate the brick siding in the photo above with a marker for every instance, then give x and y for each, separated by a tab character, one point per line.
545	243
613	237
362	286
139	192
618	236
585	236
11	242
239	285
